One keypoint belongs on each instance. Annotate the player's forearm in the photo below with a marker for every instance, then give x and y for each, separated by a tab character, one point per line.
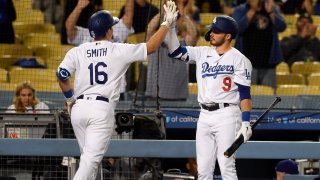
128	13
65	86
246	105
173	41
71	23
155	41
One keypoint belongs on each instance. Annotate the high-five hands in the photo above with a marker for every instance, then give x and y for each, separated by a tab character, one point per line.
171	14
245	130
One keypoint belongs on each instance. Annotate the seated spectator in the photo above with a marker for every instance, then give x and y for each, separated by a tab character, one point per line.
286	167
303	46
25	100
143	12
7	15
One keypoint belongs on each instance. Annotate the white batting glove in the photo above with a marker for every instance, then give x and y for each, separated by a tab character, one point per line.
70	102
171	14
245	130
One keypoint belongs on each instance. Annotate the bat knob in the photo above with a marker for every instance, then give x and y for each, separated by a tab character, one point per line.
226	154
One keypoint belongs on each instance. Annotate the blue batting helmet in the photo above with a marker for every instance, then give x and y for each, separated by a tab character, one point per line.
223	24
100	22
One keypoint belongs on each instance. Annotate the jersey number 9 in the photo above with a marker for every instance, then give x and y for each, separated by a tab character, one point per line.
227	84
95	74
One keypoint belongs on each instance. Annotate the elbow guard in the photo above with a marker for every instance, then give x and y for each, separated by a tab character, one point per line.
180	53
63	74
244	92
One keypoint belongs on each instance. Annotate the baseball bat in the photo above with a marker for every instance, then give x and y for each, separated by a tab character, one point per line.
237	143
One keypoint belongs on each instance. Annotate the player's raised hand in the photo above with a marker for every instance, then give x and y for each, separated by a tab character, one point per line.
245	131
82	4
171	13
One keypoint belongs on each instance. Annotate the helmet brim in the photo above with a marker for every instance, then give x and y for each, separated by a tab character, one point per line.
115	20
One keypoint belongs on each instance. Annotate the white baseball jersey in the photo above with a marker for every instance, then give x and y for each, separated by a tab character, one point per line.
39	108
120	34
98	66
217	74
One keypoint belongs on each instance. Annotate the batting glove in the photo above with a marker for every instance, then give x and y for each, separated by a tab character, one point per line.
70	102
245	130
171	14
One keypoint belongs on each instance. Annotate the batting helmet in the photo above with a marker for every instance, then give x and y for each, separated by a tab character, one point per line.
100	22
223	24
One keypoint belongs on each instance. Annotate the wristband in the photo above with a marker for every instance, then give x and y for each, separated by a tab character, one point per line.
246	116
68	94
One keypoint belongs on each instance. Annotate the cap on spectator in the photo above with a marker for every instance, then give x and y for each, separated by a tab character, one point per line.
305	16
287	166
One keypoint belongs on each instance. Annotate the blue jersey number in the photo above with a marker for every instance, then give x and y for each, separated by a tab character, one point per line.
95	73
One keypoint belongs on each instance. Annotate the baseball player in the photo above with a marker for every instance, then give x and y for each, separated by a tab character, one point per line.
98	67
224	77
77	35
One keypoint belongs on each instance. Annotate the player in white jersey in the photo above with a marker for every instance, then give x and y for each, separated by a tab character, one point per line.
224	78
98	67
77	35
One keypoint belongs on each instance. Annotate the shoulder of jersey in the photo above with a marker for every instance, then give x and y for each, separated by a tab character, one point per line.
238	53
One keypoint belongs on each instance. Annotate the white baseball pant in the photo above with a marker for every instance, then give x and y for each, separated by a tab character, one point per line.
93	124
216	131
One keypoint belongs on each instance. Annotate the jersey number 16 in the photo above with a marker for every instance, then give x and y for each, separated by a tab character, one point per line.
95	74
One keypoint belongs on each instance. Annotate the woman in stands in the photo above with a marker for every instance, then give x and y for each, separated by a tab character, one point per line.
25	101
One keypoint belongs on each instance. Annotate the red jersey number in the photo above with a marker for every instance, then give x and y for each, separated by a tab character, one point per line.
227	84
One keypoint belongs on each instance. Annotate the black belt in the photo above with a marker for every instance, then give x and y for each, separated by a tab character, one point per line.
101	98
213	107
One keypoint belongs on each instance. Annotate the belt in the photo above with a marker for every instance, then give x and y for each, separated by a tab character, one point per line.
214	107
100	98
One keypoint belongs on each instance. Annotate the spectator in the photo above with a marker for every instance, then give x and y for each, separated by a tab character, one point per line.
25	100
317	8
77	35
143	13
83	18
286	167
170	75
259	24
303	46
7	15
296	7
209	6
228	6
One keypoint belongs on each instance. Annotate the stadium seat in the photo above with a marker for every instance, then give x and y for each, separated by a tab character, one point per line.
193	88
257	90
288	32
282	68
36	40
291	20
32	74
31	16
22	5
53	50
15	49
46	86
287	79
113	5
21	28
53	62
3	75
294	90
312	90
7	87
136	38
305	68
290	90
8	61
314	79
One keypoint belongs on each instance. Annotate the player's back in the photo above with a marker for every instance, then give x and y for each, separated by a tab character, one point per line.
99	65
